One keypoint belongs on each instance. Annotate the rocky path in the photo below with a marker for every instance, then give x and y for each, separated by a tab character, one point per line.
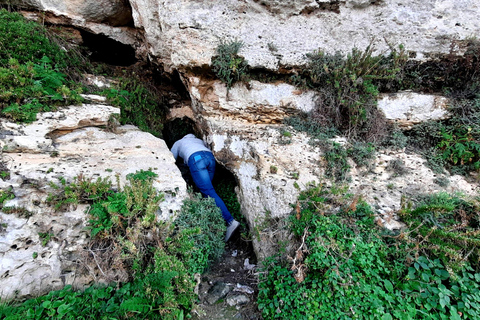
229	289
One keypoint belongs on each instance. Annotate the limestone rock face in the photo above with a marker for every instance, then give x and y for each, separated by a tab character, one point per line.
409	108
276	34
64	145
259	103
273	163
111	12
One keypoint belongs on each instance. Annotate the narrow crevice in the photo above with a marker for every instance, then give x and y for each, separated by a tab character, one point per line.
224	180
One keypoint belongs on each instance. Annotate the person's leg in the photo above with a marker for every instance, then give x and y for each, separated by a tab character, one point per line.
201	177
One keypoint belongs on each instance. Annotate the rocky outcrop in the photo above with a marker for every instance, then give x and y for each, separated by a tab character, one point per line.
110	12
273	163
65	144
277	34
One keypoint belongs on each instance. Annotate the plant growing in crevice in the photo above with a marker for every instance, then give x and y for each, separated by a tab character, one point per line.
337	166
454	143
397	166
227	65
140	104
80	190
362	153
45	237
347	89
20	211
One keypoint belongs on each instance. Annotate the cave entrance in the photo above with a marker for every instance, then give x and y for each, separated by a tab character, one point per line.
101	48
224	181
236	265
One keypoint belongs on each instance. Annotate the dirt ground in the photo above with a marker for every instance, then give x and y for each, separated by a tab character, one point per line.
232	272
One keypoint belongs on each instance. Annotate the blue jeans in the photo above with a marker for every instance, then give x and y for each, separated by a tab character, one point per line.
202	168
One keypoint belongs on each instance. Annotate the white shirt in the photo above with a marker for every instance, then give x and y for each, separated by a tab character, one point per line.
187	146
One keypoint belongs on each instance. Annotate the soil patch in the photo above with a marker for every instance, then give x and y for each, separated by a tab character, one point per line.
229	289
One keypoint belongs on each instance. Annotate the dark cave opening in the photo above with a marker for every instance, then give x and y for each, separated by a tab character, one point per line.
101	48
224	181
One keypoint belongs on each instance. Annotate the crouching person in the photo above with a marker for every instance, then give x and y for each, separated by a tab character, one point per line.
201	163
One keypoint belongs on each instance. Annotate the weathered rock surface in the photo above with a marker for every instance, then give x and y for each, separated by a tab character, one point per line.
66	144
111	12
275	33
259	103
123	34
272	169
409	108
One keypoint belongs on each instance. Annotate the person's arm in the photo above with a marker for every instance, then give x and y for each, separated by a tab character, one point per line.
175	150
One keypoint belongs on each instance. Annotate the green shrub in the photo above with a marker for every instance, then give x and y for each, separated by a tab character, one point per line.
362	153
225	187
348	88
444	226
318	133
5	195
139	105
227	65
337	166
26	41
397	166
31	77
81	190
344	267
452	144
397	140
205	219
160	258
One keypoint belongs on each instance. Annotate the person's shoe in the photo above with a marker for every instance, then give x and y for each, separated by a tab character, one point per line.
231	228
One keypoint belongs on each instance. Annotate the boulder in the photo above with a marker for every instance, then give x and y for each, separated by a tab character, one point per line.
63	145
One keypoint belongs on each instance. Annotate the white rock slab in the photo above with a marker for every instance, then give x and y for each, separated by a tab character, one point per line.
35	137
256	102
409	108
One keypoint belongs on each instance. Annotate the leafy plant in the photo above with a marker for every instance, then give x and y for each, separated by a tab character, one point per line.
158	258
461	148
31	88
45	237
227	65
337	166
142	175
343	266
348	88
18	210
26	41
452	144
81	189
140	105
224	184
444	226
207	228
5	195
362	153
